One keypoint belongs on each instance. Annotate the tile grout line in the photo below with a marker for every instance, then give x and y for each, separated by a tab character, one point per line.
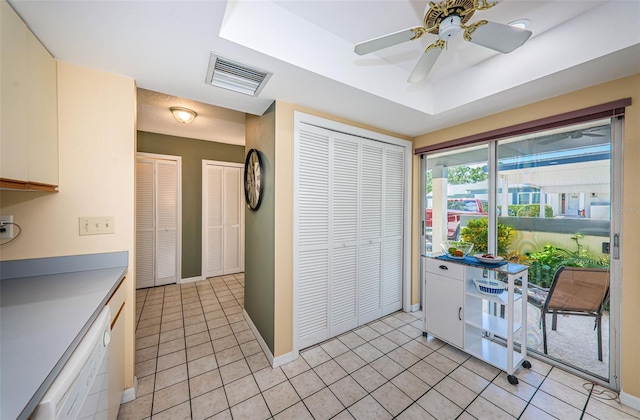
197	291
369	363
155	369
214	350
186	356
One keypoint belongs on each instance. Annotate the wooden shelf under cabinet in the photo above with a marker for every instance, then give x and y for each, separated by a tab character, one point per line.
13	184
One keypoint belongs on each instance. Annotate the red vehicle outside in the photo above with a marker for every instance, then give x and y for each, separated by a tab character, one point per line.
456	208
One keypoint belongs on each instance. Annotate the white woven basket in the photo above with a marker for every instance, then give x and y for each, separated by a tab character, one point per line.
489	287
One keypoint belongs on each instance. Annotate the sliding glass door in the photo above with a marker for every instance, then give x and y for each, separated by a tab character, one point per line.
543	199
554	190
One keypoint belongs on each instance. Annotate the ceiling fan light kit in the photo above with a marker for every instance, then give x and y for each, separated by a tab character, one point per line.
446	19
449	27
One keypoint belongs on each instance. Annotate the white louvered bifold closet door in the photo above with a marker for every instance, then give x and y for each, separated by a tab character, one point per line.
213	218
166	222
222	219
370	258
232	220
392	264
145	249
344	234
349	236
313	236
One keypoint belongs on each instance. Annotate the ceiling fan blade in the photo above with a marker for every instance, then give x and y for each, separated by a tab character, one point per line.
389	40
498	37
426	62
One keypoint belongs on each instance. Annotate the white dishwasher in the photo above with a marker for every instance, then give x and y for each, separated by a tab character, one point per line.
81	389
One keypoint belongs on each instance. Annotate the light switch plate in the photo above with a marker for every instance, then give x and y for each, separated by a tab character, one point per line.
7	233
96	225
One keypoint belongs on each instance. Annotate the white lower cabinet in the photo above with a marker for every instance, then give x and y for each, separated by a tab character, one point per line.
457	313
445	302
116	350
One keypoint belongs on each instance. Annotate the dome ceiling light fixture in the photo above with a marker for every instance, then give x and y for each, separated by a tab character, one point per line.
183	115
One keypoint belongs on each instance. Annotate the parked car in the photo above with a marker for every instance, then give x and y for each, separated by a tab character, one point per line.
456	208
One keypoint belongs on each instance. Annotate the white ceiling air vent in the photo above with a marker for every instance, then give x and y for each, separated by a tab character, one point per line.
229	74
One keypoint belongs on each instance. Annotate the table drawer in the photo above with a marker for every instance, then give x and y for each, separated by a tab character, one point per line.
445	268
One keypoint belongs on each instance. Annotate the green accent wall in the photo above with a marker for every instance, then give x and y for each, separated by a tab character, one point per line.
193	152
259	266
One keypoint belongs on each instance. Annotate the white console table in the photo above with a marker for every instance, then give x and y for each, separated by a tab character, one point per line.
456	312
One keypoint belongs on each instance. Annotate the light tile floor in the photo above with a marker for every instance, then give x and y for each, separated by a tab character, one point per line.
196	357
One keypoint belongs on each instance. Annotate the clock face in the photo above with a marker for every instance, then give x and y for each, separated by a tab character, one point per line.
253	179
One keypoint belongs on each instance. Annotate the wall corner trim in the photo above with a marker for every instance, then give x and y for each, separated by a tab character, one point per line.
630	400
129	394
274	361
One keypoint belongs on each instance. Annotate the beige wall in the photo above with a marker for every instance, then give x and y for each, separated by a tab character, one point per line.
96	122
630	296
284	217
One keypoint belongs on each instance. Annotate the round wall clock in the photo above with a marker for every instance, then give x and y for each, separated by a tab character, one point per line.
253	186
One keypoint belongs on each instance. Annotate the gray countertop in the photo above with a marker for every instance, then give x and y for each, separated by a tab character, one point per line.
43	317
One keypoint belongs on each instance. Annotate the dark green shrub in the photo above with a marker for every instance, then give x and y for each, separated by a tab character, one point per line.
477	232
544	264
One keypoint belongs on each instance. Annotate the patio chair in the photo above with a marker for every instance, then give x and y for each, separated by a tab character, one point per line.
574	291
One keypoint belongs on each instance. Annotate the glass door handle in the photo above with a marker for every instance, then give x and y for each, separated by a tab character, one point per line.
616	246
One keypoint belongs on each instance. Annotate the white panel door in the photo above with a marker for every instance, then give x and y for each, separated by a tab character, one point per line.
166	222
371	219
222	219
145	247
343	313
313	236
213	225
392	264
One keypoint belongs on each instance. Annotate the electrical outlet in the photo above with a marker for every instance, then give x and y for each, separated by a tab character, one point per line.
97	225
6	227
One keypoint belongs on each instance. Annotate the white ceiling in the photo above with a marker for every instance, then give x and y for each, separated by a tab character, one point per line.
308	45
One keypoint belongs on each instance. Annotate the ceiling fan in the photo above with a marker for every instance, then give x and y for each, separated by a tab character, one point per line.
446	19
573	135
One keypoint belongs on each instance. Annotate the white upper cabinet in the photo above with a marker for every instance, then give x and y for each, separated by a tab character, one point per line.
29	108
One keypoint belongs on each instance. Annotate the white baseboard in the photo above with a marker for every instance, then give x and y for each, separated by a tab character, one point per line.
283	360
630	400
415	307
191	279
261	341
129	394
273	361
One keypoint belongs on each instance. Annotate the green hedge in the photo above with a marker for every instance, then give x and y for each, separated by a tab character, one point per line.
527	210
